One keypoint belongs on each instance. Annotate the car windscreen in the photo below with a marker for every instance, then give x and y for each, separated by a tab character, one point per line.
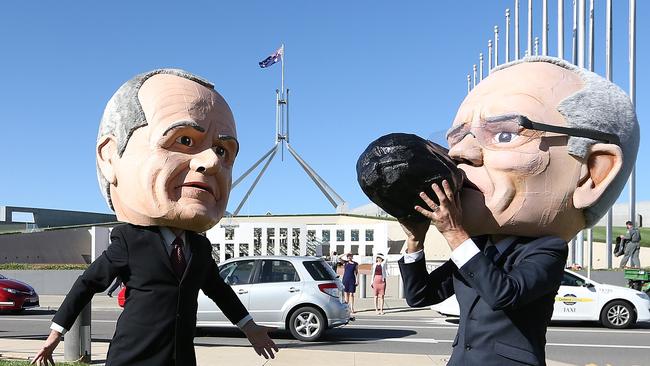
319	270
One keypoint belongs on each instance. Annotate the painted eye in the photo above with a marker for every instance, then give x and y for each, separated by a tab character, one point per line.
504	137
220	151
185	140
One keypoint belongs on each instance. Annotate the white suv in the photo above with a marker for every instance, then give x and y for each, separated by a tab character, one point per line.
301	294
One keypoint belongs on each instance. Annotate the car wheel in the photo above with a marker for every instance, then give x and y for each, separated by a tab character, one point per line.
307	324
618	315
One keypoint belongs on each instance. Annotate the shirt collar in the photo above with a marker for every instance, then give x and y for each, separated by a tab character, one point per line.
503	244
169	236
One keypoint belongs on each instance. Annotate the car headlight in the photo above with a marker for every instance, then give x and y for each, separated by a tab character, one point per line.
10	290
643	295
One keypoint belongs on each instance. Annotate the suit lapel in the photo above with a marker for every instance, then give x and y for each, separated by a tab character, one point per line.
160	247
191	239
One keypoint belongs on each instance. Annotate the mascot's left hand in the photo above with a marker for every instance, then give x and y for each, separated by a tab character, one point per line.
258	335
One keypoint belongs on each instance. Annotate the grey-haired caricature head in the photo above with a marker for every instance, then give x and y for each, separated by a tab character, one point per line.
165	150
556	183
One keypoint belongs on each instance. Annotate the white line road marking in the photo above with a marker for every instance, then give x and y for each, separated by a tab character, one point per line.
433	340
49	320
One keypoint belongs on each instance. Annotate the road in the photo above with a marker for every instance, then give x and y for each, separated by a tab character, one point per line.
402	331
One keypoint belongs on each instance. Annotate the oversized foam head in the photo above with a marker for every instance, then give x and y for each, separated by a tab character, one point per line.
547	147
165	151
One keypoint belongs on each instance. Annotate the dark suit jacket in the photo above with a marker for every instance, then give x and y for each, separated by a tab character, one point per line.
158	322
504	306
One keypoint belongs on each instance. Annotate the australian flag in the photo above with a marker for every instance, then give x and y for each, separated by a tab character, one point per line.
273	58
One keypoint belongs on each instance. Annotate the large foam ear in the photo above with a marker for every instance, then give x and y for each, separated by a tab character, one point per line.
600	168
107	157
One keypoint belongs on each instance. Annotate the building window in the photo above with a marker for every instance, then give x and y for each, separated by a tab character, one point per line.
354	249
340	235
326	236
270	241
354	235
215	253
311	234
230	251
370	235
230	233
243	250
295	241
257	235
368	250
340	249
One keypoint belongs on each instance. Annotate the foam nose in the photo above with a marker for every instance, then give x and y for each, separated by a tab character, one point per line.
395	168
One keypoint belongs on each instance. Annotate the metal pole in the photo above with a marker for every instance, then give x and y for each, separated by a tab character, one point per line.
287	104
516	30
581	33
530	27
489	56
363	286
609	76
469	83
496	45
591	35
536	46
560	28
590	240
590	231
277	116
474	82
282	59
580	248
77	339
544	27
632	61
507	35
480	65
574	45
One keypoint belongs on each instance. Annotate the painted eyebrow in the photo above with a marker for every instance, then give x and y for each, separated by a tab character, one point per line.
503	117
180	124
228	138
499	118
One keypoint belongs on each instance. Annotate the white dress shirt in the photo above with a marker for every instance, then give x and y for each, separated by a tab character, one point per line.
464	252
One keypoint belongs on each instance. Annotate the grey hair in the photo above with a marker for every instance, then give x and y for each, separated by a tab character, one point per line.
123	115
599	106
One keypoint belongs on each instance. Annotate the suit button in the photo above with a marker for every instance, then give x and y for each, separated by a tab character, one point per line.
468	347
471	275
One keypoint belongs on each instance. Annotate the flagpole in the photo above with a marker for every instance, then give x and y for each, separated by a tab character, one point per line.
282	58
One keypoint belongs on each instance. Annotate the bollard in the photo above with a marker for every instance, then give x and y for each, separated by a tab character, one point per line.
362	286
77	339
400	287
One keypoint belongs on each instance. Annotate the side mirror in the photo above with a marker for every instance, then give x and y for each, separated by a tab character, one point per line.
589	285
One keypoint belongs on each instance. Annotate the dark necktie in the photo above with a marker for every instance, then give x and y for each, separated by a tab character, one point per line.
490	252
177	257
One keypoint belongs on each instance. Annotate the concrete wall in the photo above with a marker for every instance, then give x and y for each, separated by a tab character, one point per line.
66	246
46	282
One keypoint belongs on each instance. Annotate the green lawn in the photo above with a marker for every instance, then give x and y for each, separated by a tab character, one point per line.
599	234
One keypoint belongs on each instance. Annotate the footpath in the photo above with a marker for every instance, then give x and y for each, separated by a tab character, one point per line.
12	348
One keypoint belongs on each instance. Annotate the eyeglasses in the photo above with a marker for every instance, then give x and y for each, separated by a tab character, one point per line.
512	131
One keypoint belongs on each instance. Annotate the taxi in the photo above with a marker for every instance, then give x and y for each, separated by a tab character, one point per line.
580	298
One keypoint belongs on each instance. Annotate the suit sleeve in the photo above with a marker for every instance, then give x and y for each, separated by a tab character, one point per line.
99	275
422	288
539	272
222	294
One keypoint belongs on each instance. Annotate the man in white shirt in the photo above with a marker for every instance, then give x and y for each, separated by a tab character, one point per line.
547	148
165	151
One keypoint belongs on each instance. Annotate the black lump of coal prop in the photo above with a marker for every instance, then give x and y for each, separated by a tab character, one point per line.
395	168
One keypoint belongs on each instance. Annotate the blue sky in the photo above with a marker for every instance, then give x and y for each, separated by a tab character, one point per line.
356	69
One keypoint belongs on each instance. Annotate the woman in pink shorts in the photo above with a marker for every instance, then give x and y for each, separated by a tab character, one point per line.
379	283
